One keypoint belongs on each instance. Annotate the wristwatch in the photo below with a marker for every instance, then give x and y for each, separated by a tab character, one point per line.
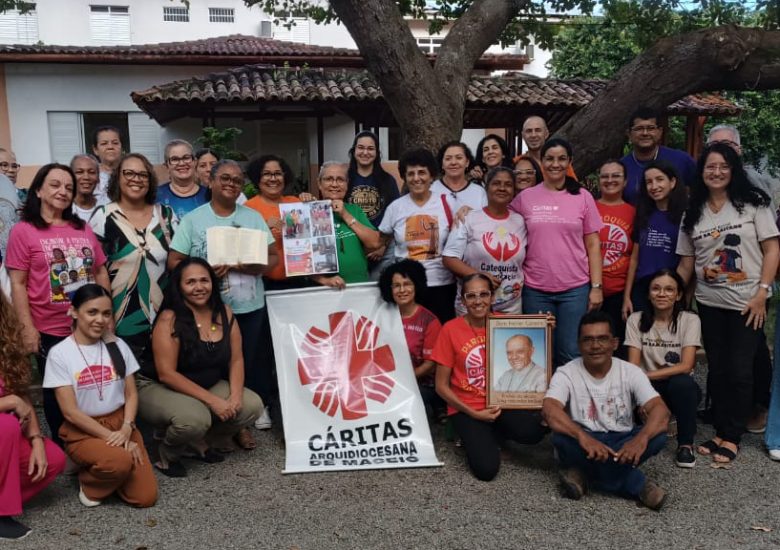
766	287
596	285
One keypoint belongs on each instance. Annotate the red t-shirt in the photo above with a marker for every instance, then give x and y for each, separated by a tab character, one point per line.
461	347
421	331
616	245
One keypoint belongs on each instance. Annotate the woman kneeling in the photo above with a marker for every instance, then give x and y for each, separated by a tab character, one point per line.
460	380
196	388
95	389
663	342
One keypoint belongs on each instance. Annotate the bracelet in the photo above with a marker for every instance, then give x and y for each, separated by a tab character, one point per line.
35	436
129	423
353	222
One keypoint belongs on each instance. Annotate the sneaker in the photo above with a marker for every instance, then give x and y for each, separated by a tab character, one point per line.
10	529
685	457
86	501
652	495
757	422
264	422
774	454
573	483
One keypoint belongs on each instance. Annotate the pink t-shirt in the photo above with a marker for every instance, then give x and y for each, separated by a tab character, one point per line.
557	222
58	260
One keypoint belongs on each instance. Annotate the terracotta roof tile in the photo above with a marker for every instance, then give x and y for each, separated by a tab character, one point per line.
253	84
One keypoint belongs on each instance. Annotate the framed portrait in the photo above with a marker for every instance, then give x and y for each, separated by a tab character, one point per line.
519	360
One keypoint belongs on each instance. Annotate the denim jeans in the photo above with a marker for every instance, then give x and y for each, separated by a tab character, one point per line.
258	353
609	476
568	306
772	436
681	394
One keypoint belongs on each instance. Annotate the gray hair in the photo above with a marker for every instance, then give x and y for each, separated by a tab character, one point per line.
173	143
726	127
80	156
221	164
328	164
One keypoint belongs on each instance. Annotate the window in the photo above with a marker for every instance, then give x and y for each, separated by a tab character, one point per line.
221	15
110	24
291	27
70	133
18	28
429	44
176	14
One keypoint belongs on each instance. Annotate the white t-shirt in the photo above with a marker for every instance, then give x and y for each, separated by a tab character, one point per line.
727	251
495	246
89	376
419	233
659	346
83	213
601	405
473	196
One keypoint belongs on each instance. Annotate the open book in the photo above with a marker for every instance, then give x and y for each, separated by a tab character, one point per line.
236	245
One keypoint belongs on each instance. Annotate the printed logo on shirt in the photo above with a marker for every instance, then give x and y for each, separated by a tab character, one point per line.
367	198
501	244
475	367
614	243
346	366
725	266
421	234
95	377
71	265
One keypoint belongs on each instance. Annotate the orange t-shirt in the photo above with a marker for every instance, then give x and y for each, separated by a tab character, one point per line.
270	210
462	348
616	245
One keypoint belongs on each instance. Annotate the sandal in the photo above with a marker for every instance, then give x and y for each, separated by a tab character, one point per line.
174	469
708	447
245	439
724	455
209	456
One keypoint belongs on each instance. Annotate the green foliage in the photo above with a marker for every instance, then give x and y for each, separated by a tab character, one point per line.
589	47
222	142
21	5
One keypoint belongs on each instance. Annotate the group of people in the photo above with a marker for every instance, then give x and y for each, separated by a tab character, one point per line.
113	294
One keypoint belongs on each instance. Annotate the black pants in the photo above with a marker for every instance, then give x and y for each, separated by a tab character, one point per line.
440	300
731	351
681	394
481	440
762	373
613	305
51	409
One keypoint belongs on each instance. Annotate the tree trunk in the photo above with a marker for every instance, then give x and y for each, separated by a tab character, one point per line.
721	58
427	101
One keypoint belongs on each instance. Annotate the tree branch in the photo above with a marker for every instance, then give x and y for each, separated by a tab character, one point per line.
720	58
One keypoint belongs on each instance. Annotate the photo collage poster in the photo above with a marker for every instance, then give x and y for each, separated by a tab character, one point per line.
309	238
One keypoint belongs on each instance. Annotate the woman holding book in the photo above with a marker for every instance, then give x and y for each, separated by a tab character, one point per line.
241	284
135	234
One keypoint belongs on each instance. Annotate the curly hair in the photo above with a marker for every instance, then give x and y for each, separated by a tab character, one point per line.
409	269
14	361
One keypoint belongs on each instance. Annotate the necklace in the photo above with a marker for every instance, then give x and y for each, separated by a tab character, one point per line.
708	207
208	341
641	164
98	385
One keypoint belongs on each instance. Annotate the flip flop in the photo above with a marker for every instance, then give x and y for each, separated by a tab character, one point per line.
726	453
174	469
209	456
708	446
245	440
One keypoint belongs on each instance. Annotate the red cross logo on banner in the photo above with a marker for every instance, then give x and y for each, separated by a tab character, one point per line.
345	366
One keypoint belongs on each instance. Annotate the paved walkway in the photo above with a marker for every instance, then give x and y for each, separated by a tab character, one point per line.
247	503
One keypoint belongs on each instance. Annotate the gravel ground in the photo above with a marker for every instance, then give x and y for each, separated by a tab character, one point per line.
247	503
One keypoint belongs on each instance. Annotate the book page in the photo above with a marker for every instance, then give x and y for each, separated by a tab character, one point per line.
252	246
222	245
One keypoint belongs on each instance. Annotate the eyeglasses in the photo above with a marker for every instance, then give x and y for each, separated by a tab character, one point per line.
712	168
401	286
272	175
663	290
614	176
644	129
331	179
366	148
473	296
133	175
186	159
227	179
529	172
7	165
602	340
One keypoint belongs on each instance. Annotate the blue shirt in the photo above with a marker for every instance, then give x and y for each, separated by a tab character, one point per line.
241	291
682	162
180	205
657	245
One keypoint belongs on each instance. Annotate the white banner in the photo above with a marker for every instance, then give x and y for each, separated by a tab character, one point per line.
349	395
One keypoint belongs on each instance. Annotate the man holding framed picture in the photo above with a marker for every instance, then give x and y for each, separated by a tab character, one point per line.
590	408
